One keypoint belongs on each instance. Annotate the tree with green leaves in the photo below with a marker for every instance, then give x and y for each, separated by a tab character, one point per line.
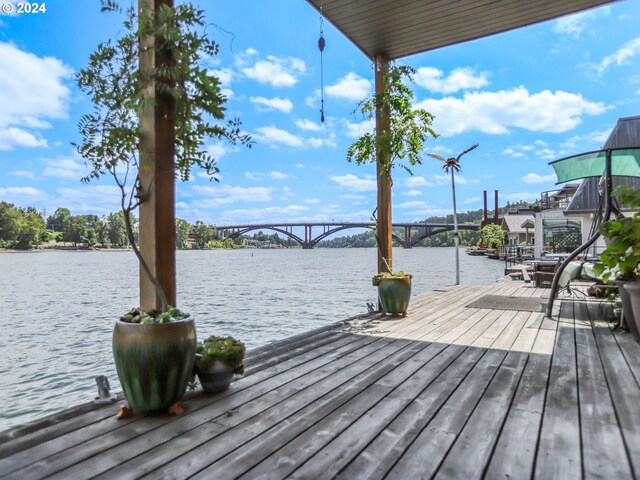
58	221
203	233
183	228
117	230
492	235
398	142
21	228
118	89
410	127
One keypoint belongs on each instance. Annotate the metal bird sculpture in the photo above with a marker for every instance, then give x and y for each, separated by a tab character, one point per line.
452	163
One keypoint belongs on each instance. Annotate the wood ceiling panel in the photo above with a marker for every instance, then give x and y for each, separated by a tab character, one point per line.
405	27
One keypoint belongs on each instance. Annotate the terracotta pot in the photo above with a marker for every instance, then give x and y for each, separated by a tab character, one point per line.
216	378
630	291
394	294
154	362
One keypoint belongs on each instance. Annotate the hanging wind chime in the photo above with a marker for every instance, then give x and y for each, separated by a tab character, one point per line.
321	44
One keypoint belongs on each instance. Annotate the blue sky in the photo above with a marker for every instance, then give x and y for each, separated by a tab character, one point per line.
528	97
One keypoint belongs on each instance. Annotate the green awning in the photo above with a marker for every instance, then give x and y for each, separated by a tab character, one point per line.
624	163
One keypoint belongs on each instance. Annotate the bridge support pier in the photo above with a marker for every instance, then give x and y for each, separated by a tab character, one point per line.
407	237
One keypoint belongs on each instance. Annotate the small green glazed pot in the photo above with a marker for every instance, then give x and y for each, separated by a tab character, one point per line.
154	362
215	379
394	294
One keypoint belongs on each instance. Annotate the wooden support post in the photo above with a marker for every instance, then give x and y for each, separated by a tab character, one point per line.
383	227
157	149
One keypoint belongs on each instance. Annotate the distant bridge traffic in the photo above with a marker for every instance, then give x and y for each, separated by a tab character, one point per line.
414	233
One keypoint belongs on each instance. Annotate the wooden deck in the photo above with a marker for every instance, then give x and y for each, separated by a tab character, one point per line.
449	392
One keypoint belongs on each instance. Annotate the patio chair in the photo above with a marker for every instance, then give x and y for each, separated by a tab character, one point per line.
544	278
570	273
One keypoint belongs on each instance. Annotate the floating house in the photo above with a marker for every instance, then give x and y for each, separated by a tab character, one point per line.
568	216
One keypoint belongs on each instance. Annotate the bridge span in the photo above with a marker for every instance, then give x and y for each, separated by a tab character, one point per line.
414	233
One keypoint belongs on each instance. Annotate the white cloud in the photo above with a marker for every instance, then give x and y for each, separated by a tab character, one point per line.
412	193
495	112
226	76
547	154
306	124
512	152
278	175
299	165
445	179
471	200
286	193
330	141
268	104
354	183
418	182
27	196
416	204
593	137
350	87
574	25
33	93
253	176
96	199
534	178
276	71
462	78
356	130
524	196
312	200
268	214
216	195
13	137
621	56
350	196
273	136
313	100
220	149
66	168
24	174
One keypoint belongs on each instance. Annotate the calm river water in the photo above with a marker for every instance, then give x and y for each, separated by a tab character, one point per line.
58	308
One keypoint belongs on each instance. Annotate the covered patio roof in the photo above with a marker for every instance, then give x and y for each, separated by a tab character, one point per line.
398	28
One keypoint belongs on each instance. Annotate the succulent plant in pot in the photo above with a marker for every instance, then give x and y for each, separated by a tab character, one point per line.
218	359
153	74
621	259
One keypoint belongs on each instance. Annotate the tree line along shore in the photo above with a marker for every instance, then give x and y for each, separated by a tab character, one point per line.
27	229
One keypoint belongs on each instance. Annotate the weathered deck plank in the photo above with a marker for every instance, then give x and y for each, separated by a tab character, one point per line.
598	422
470	454
449	392
560	423
622	384
263	413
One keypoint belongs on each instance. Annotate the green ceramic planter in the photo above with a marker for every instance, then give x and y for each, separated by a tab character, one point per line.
394	294
154	362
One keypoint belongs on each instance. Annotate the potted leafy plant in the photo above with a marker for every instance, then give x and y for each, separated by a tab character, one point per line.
154	351
218	359
399	142
621	258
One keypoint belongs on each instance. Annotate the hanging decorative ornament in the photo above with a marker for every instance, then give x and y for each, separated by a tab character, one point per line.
321	44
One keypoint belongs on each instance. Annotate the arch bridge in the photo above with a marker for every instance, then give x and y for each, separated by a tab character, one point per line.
414	233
